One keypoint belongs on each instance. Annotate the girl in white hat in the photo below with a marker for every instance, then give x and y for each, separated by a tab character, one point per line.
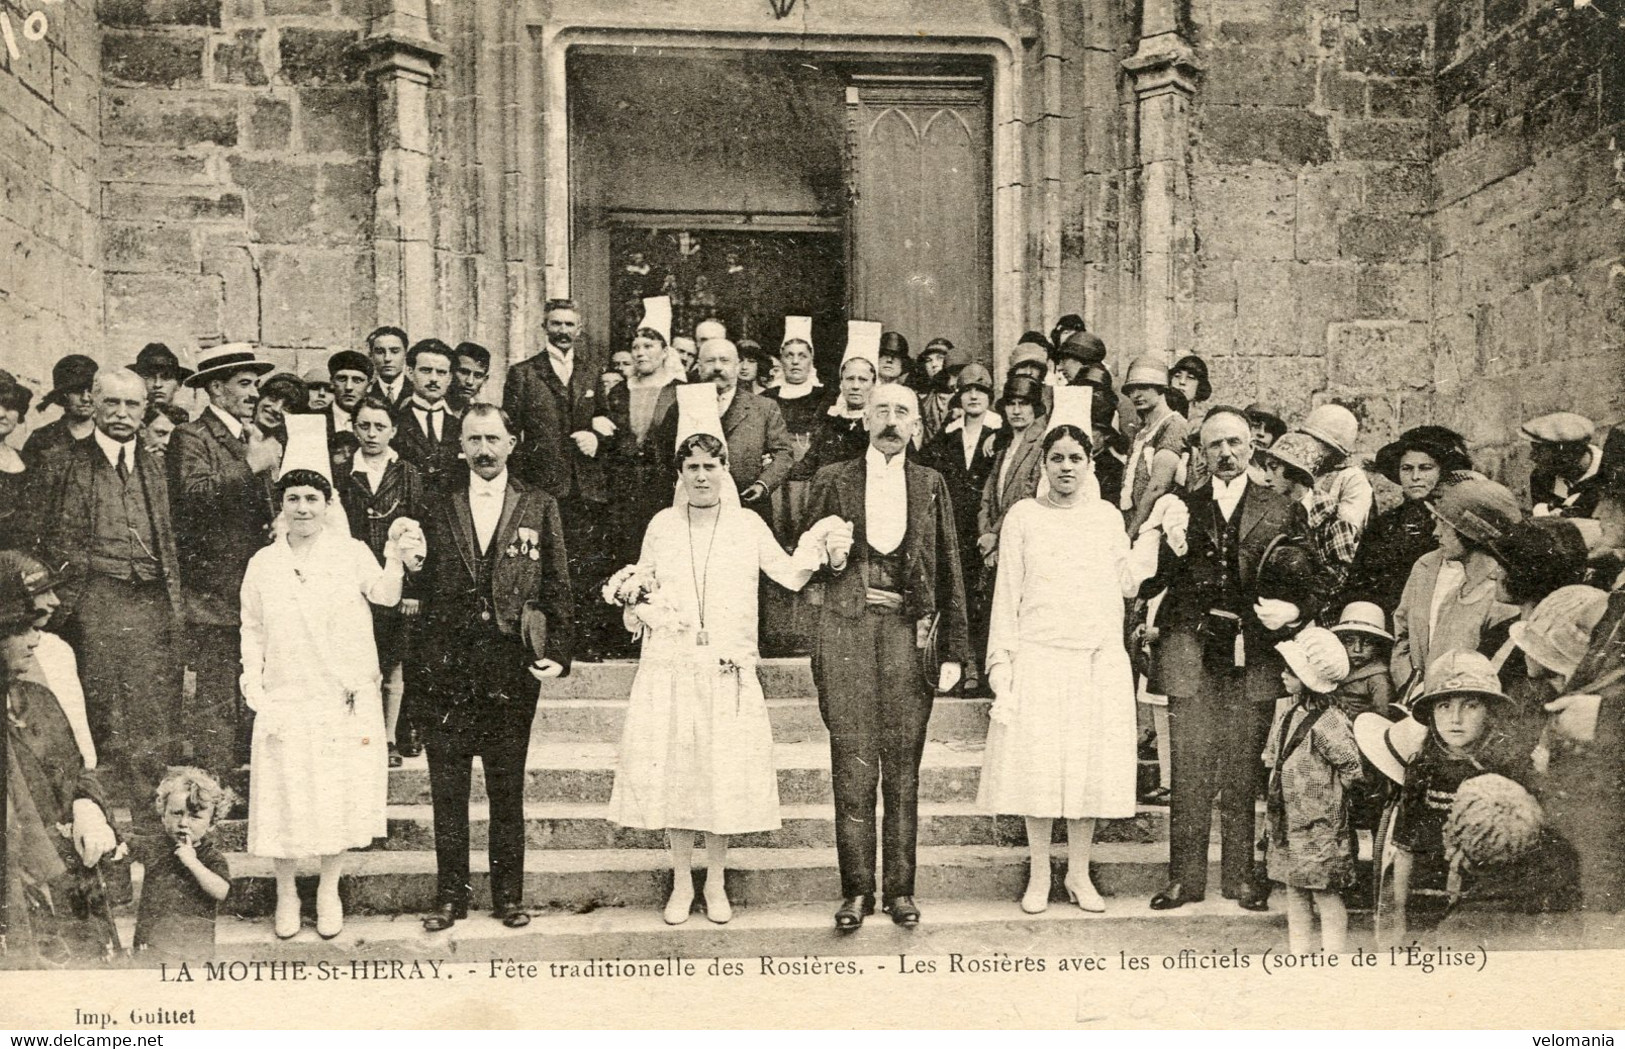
1313	760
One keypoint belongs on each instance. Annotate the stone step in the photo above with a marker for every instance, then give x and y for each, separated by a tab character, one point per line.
794	719
974	928
395	882
568	825
584	773
612	679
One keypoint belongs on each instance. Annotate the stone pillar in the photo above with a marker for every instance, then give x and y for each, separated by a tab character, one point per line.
403	60
1163	72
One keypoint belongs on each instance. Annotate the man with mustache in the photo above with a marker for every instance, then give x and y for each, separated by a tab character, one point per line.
891	629
568	444
428	433
1215	658
496	606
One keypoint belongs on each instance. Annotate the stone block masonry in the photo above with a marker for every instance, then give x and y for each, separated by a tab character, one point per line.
236	188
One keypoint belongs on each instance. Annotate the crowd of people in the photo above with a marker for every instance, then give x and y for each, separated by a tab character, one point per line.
312	578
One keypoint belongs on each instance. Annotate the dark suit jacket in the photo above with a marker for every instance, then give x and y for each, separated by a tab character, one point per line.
1265	517
376	389
545	413
452	602
755	431
440	464
66	499
930	551
46	439
222	515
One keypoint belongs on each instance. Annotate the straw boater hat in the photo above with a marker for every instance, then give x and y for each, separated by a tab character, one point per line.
1317	658
224	360
1390	746
1363	617
1457	673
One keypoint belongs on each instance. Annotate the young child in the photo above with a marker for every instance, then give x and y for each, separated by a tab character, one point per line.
1460	699
186	876
1312	759
1363	629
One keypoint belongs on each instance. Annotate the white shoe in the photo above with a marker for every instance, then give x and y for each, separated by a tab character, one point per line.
329	914
286	923
681	901
1082	892
717	907
1036	899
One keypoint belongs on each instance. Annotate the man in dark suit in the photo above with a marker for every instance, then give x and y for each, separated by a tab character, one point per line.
351	373
892	628
568	444
428	433
497	618
759	452
106	520
386	347
220	467
1217	661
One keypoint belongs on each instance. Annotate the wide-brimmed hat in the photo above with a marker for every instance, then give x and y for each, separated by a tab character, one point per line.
892	344
72	374
1479	509
157	359
1317	658
1363	617
1146	371
1558	632
225	359
1390	746
1441	444
1299	452
1082	346
1457	673
1023	388
1196	368
1333	425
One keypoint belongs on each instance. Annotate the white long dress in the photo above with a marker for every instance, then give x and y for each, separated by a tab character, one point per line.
319	771
697	750
1069	751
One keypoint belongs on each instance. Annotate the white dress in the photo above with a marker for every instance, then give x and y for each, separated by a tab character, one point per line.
1069	750
319	772
697	751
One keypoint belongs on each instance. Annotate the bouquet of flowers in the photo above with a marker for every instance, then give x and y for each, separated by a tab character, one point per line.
643	607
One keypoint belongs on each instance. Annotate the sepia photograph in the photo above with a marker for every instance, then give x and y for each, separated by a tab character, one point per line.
534	514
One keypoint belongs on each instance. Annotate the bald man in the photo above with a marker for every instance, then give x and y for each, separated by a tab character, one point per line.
759	455
891	630
105	517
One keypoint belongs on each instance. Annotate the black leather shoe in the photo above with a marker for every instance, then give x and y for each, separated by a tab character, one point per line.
512	915
444	917
412	745
902	911
394	756
1254	897
853	910
1175	895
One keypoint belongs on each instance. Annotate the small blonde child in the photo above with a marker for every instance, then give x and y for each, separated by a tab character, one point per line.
1312	758
186	876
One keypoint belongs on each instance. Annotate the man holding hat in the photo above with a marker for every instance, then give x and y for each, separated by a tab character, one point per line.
351	373
70	388
1567	478
892	627
158	365
105	517
221	466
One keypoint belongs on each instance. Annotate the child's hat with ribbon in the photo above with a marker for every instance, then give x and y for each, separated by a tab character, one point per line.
1317	658
1457	673
1363	617
1390	746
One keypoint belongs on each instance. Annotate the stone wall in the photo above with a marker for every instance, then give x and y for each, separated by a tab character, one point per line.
237	175
50	243
1529	220
1310	184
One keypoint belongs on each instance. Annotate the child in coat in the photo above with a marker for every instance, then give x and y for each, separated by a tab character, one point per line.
186	876
1363	629
1312	759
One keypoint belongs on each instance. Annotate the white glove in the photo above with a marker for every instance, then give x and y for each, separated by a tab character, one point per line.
949	676
602	426
1003	710
92	837
999	678
586	442
1576	716
1275	614
543	669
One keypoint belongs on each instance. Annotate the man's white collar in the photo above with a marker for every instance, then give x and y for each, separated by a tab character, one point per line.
110	447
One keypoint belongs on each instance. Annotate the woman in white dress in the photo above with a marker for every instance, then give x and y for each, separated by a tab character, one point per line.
1062	742
319	764
697	751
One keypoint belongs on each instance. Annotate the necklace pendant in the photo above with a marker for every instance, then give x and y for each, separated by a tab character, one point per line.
702	639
